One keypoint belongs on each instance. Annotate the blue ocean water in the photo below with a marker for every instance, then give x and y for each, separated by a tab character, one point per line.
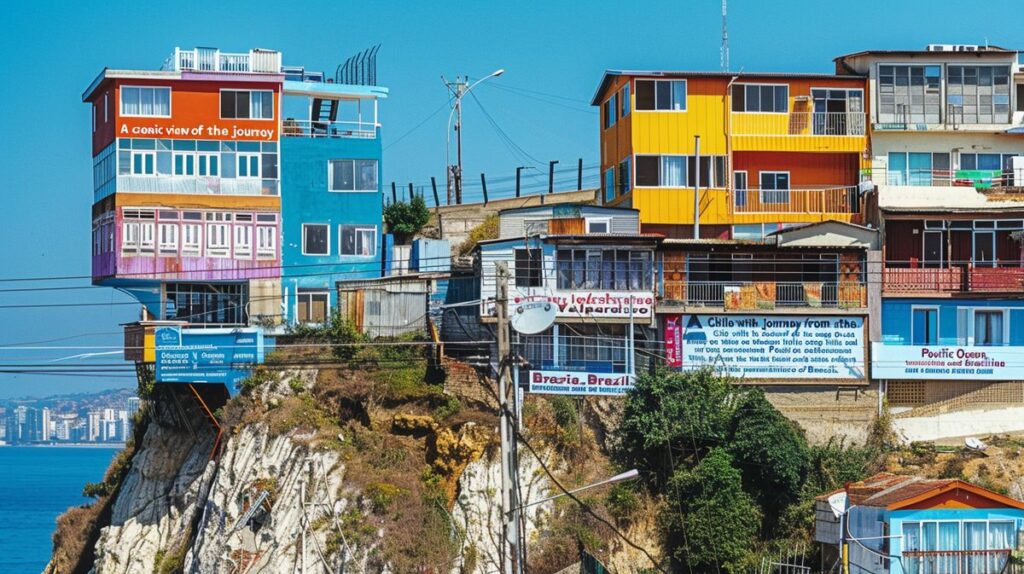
36	485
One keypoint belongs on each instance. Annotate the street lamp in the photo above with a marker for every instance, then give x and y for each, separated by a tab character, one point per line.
458	89
628	475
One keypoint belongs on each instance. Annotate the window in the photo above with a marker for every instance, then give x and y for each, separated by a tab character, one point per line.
358	240
612	269
143	163
529	263
948	546
909	94
249	165
208	303
625	175
760	98
624	100
266	242
611	111
661	95
311	306
988	328
838	112
679	171
352	175
598	225
247	104
774	186
925	326
981	161
209	164
192	239
218	242
243	242
918	168
739	188
315	239
168	239
609	184
145	101
978	94
184	164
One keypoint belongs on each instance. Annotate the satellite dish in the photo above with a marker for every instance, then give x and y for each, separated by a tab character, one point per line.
974	444
838	503
532	317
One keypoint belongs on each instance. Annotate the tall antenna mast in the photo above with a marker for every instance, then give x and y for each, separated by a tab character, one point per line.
725	40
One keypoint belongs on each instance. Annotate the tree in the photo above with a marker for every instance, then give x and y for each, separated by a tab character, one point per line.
770	451
671	418
406	219
709	523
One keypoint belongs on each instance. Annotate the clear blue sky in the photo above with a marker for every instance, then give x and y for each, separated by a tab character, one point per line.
557	51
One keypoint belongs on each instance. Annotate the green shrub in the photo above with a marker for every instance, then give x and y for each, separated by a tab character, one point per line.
488	229
382	495
405	219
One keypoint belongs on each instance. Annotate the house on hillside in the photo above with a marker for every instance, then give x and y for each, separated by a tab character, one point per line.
910	525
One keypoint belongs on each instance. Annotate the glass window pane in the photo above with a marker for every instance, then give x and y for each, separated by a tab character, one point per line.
663	95
781	99
366	174
753	99
679	95
644	94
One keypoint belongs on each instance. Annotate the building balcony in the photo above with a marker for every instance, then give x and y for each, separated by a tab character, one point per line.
904	278
799	131
764	295
213	60
977	178
327	129
826	200
196	185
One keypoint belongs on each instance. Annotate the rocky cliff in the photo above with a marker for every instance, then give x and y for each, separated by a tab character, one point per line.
329	472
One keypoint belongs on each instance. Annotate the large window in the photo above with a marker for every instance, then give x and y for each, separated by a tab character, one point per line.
247	104
315	239
611	111
624	100
955	547
925	326
529	267
918	168
352	175
770	98
679	171
668	95
145	101
358	240
978	94
625	176
909	94
838	112
612	269
312	305
208	303
988	328
774	186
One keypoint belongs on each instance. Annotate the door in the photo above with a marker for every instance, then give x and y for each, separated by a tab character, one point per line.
739	188
933	249
984	249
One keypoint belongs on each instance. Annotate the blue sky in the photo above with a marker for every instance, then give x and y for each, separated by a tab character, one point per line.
553	54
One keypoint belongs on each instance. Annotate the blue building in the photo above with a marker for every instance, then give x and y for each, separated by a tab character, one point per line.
331	202
894	524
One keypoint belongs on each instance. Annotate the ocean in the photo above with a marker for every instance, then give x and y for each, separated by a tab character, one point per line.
36	485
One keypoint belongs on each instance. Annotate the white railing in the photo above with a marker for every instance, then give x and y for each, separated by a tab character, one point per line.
213	60
765	294
799	124
325	129
845	199
195	185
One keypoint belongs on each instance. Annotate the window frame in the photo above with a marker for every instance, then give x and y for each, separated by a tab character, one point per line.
713	165
775	176
938	324
120	101
686	95
327	228
355	178
312	292
530	275
732	98
607	221
1002	311
265	252
877	109
357	228
625	102
220	105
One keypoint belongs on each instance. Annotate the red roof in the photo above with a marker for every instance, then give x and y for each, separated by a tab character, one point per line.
894	491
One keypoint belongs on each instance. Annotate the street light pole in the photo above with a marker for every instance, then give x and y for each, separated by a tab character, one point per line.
460	87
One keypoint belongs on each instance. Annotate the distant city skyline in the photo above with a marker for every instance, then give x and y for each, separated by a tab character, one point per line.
553	56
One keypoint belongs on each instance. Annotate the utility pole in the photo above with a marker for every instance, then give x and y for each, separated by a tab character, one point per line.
458	88
509	477
725	40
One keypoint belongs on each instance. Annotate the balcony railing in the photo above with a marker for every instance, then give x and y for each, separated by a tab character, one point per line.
979	178
800	124
738	295
827	200
213	60
317	129
197	185
959	562
954	277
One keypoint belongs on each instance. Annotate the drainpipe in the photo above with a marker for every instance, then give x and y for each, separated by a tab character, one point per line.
696	188
728	142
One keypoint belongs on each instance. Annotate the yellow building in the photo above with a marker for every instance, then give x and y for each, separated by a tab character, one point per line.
774	149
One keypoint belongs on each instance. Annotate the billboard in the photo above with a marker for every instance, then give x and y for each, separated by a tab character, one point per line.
224	356
798	347
939	362
579	383
587	304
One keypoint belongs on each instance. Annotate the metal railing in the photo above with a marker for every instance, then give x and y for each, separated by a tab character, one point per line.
954	277
213	60
800	124
766	294
844	199
196	185
958	561
979	178
339	129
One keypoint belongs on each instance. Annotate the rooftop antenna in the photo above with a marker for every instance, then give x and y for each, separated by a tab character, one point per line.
725	40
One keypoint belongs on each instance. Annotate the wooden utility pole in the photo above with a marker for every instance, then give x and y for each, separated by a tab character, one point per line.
509	501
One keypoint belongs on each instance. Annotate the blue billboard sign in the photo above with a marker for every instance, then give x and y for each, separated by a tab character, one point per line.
207	356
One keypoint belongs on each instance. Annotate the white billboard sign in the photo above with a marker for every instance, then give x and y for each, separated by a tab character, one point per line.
937	362
769	347
587	304
579	383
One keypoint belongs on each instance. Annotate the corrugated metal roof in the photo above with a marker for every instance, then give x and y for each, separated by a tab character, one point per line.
609	74
949	199
887	490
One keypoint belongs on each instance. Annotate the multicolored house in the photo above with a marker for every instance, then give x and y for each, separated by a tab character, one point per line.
891	524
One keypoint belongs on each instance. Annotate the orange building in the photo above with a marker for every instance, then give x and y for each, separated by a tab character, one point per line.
775	149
